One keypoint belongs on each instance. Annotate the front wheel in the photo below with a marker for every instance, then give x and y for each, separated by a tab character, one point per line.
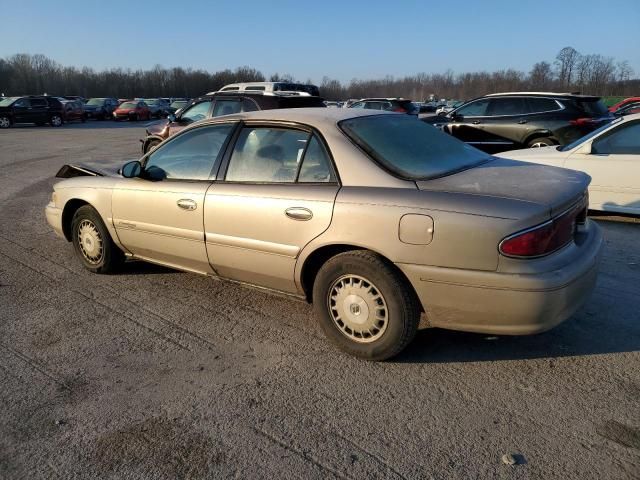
55	120
5	122
365	306
92	242
540	142
151	144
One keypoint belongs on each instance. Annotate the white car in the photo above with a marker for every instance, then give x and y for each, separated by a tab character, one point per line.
610	155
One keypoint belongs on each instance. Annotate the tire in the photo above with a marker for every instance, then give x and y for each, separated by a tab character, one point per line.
5	122
136	117
354	283
540	142
151	145
55	120
92	242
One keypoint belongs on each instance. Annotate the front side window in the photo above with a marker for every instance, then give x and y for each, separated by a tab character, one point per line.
411	148
226	107
196	112
357	105
474	109
22	103
507	106
625	140
190	156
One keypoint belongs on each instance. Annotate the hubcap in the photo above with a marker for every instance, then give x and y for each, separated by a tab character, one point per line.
56	121
4	122
358	309
538	145
90	242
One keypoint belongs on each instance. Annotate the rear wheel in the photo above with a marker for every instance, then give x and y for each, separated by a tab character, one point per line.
92	242
365	306
55	120
5	122
540	142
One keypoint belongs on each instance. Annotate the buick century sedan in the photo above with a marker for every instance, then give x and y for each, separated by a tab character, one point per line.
374	217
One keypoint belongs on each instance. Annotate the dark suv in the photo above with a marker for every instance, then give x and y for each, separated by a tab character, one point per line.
507	121
36	109
224	103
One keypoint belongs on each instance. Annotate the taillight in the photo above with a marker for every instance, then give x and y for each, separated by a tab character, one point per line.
584	121
546	238
400	110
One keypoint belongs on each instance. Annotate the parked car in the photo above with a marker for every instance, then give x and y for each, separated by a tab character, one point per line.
272	87
450	106
330	104
133	110
101	108
507	121
223	103
399	105
178	104
159	108
73	110
36	109
626	107
371	216
610	155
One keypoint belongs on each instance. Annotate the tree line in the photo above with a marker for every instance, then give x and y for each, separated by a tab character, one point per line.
569	71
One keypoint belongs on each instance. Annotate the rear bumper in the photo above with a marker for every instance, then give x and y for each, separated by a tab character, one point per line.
54	218
507	303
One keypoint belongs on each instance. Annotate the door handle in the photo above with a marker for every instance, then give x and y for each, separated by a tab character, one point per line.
476	122
522	122
298	213
187	204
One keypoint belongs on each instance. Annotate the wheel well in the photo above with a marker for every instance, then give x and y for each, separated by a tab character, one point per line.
542	134
314	262
69	210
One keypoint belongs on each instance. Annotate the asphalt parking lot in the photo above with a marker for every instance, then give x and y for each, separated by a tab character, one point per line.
153	373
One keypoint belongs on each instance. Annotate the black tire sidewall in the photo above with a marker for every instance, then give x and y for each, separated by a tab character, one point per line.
403	315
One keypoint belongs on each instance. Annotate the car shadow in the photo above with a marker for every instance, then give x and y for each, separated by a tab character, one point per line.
89	125
134	267
571	339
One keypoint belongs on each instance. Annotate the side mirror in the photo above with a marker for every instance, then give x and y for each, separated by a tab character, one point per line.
171	117
131	169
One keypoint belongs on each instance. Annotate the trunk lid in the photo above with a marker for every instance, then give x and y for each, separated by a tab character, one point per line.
551	187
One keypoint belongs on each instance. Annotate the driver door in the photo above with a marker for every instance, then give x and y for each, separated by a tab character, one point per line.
159	216
467	122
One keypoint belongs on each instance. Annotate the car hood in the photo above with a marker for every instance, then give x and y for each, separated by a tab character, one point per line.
157	128
555	189
87	170
125	110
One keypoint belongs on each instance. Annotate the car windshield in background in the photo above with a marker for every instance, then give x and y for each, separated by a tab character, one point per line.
129	105
179	104
96	101
151	101
6	101
594	107
411	148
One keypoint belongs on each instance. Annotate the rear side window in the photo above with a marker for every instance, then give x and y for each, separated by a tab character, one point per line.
409	147
277	155
257	88
40	102
507	106
249	105
541	105
593	108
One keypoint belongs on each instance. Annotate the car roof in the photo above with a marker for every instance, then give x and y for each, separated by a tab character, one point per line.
313	116
544	94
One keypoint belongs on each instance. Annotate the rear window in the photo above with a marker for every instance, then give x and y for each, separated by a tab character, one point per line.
594	108
410	148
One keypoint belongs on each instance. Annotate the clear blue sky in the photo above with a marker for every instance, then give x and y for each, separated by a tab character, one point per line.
310	39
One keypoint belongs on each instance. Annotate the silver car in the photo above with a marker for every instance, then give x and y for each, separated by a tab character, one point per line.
374	217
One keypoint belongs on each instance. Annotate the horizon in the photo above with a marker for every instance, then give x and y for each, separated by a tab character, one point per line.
327	48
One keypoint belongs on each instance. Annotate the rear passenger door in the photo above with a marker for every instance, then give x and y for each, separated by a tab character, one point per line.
277	194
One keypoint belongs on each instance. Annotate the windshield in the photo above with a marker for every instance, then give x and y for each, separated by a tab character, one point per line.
595	133
151	101
411	148
128	105
179	104
6	101
96	101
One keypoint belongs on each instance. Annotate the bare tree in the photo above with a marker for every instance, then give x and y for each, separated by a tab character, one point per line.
541	76
566	61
